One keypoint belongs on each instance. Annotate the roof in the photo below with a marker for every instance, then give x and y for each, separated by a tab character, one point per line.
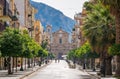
61	30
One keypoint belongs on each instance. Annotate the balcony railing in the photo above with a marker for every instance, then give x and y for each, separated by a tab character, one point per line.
14	18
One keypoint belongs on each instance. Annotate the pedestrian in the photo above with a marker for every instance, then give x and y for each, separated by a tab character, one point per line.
55	60
45	61
58	60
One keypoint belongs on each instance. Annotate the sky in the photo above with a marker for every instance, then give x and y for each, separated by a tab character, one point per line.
68	7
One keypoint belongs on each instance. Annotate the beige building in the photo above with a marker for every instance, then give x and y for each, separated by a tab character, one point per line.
60	44
23	7
49	35
26	14
76	32
15	14
77	36
8	17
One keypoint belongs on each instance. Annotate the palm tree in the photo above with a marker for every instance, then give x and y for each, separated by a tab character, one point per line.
99	29
115	10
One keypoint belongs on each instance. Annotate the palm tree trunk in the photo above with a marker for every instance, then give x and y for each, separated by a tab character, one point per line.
102	64
117	28
102	67
117	72
118	42
108	66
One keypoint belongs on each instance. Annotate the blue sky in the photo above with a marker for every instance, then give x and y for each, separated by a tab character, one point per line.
68	7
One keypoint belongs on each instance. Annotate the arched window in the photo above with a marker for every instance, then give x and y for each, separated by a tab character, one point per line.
60	41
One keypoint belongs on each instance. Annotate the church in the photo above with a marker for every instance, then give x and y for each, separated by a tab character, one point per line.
60	44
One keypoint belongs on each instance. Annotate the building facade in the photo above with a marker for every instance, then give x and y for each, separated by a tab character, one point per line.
76	32
26	14
48	36
5	14
60	44
77	35
16	14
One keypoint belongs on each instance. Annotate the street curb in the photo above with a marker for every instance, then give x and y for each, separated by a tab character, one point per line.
34	71
90	74
94	75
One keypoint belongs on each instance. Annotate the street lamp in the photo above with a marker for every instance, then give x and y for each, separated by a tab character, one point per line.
84	62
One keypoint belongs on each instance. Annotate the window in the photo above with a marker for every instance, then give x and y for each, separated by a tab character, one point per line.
36	28
60	35
60	41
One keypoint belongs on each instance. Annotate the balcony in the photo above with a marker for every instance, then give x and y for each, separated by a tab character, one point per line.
77	16
7	14
29	15
14	17
30	29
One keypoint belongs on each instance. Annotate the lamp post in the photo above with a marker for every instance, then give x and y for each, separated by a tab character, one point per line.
84	62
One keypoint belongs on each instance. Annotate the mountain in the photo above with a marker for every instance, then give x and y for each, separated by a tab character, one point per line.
48	15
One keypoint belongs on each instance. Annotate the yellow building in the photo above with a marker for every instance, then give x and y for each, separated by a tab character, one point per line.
38	31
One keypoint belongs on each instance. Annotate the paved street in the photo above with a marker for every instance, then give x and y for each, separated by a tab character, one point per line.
59	71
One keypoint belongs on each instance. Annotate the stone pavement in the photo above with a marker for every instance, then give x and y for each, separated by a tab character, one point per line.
24	74
59	70
20	74
94	73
